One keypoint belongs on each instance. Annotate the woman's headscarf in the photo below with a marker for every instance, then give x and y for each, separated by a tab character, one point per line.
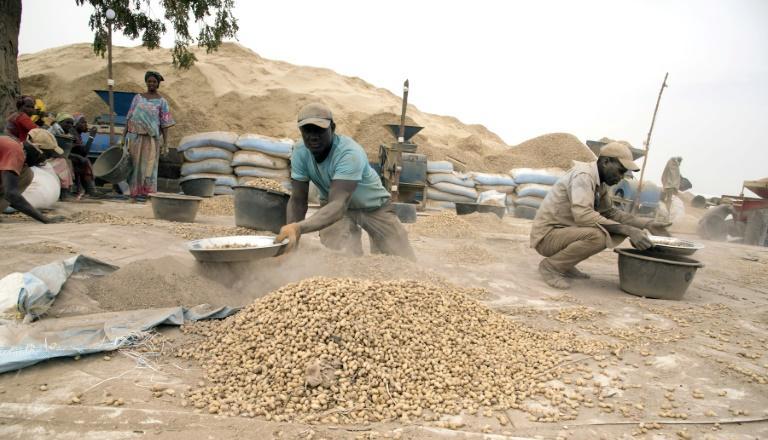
157	76
40	107
62	116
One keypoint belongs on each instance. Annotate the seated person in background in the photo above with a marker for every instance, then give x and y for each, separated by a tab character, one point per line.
19	123
350	189
61	165
577	219
15	175
79	156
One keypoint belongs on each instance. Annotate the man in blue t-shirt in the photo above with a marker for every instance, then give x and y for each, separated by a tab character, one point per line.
351	192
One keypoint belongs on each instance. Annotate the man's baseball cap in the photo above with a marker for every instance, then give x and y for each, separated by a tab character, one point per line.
43	140
315	114
621	151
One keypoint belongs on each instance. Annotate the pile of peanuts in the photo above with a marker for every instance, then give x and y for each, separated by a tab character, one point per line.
340	350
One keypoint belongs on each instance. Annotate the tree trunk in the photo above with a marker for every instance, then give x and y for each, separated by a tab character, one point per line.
10	20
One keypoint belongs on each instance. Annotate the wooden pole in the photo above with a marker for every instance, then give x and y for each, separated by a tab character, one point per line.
636	201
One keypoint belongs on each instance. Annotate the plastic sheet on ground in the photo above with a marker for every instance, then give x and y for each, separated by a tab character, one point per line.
22	345
31	294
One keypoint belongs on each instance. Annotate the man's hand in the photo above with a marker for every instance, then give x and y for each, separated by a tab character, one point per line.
639	239
292	232
92	131
659	228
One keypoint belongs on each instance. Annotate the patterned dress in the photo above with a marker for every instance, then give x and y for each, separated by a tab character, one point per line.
146	117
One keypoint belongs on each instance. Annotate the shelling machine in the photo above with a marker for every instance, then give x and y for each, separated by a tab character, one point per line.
403	172
101	140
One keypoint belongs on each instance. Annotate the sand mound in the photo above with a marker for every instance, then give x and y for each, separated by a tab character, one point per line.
549	150
164	282
371	132
235	89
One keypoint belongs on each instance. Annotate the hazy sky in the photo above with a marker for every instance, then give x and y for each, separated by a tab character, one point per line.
524	68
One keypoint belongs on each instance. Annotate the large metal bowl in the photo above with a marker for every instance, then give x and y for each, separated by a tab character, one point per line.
674	246
241	248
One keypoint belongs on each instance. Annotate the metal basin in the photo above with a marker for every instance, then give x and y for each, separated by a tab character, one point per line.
175	207
674	246
202	187
235	248
654	276
114	165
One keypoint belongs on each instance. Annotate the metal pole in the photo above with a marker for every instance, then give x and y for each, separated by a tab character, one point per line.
401	134
636	202
110	84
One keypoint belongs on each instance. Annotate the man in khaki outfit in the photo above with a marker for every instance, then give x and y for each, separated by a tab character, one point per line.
577	219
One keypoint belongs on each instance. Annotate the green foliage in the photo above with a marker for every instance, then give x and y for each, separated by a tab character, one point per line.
134	19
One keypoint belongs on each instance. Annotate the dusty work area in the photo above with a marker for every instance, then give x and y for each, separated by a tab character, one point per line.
467	342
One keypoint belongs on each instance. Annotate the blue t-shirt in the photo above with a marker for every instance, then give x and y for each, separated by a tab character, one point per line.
346	161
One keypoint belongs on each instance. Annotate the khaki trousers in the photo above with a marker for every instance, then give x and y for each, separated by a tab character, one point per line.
24	180
567	247
387	234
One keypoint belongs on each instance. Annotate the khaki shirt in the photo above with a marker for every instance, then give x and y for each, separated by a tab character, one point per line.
579	199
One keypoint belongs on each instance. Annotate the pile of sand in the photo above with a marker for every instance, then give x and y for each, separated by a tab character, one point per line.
163	282
550	150
235	89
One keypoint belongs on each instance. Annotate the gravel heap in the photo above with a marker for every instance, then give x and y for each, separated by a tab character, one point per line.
335	350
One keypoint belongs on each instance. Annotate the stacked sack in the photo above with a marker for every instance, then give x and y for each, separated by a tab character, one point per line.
445	187
532	186
265	157
493	189
209	155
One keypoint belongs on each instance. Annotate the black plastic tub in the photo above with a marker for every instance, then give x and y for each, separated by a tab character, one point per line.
259	208
465	208
406	212
202	187
469	208
525	212
498	210
175	207
654	276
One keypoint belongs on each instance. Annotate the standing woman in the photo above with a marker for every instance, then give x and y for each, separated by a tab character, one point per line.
146	136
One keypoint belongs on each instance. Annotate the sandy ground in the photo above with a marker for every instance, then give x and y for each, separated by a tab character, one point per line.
703	356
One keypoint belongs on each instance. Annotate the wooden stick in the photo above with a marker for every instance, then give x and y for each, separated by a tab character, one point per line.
636	201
